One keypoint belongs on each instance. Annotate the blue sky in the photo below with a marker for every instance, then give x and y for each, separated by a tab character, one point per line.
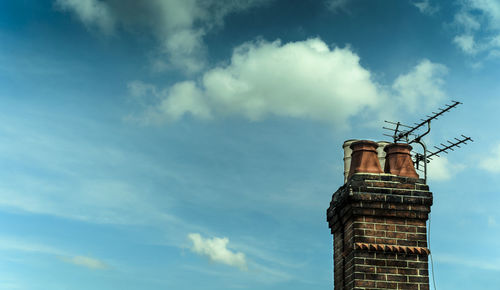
196	144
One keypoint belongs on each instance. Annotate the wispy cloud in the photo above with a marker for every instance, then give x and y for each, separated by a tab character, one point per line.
422	85
73	175
337	5
264	267
179	25
489	265
491	161
86	262
426	7
215	249
467	43
92	13
19	244
478	24
441	169
477	27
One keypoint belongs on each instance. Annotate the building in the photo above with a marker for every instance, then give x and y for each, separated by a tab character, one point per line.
378	220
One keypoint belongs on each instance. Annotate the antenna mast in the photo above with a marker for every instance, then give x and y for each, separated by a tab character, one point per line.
408	134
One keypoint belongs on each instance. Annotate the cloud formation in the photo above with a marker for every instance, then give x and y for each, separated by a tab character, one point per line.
426	7
422	86
303	79
86	262
492	162
178	25
441	169
216	250
336	5
16	244
478	23
94	14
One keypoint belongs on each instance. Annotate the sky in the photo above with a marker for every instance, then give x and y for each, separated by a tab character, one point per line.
196	144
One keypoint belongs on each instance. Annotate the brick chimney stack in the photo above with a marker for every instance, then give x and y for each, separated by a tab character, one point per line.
378	222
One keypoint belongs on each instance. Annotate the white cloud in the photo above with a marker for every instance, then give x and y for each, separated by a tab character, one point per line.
466	43
16	244
86	262
492	161
421	88
216	250
489	8
478	23
468	22
140	89
93	13
303	79
185	97
93	184
335	5
492	264
426	7
441	169
178	25
184	49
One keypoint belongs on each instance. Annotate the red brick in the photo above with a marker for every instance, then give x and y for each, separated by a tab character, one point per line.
368	226
364	283
386	285
364	269
419	223
408	286
378	277
419	279
385	227
377	216
386	270
407	271
397	278
395	235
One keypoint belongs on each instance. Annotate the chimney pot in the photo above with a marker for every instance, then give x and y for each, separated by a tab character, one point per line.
381	153
398	160
364	158
347	157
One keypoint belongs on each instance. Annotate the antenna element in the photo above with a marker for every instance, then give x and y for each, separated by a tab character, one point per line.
408	134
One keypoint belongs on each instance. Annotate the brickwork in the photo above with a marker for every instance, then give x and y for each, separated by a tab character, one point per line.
378	222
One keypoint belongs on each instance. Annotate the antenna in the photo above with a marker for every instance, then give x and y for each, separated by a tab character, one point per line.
409	135
398	135
444	147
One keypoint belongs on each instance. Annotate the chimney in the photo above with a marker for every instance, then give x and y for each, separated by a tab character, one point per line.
378	222
348	151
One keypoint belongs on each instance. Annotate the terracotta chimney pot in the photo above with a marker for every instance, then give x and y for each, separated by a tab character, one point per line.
364	157
398	160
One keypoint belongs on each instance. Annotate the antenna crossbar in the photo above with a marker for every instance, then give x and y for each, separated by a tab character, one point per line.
425	121
444	148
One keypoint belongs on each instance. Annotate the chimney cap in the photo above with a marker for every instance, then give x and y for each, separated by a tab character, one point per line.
364	142
396	147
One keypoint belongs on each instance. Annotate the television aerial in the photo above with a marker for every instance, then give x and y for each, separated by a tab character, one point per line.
409	135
